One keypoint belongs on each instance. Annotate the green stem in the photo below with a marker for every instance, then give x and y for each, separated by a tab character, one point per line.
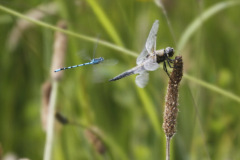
70	33
150	110
104	20
212	87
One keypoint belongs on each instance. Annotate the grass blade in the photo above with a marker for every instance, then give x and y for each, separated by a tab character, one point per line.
105	22
196	24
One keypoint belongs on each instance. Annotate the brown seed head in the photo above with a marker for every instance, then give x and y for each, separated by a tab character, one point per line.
95	140
171	101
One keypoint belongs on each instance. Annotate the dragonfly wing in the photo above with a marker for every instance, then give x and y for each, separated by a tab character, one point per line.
142	79
151	64
142	56
150	45
152	37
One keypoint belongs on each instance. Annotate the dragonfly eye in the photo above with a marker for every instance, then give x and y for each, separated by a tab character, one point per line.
169	51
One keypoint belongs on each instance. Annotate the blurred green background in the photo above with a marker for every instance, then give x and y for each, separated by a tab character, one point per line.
129	117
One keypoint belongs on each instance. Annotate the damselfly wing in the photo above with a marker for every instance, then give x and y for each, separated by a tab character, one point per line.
92	62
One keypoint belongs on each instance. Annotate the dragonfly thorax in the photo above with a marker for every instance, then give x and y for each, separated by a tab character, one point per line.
164	54
169	52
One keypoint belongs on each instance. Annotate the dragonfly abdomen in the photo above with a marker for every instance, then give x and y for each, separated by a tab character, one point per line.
122	75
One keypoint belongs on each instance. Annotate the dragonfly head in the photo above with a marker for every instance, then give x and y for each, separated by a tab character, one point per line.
169	51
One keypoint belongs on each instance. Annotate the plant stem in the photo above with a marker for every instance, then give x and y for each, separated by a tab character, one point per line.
192	28
50	123
70	33
168	148
212	87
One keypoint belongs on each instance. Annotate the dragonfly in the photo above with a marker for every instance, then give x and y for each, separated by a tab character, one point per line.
92	62
149	59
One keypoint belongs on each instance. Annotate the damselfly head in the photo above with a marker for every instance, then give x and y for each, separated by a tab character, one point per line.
101	59
169	51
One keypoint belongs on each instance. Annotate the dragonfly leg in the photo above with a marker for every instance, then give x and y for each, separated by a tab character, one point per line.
165	68
169	61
